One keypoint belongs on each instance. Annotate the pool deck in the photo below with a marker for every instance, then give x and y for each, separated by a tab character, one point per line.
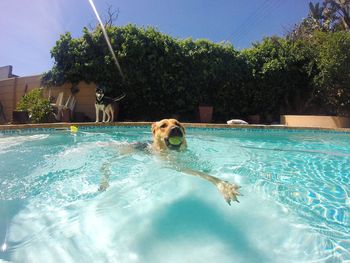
62	125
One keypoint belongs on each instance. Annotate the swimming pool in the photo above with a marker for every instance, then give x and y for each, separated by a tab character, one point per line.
295	208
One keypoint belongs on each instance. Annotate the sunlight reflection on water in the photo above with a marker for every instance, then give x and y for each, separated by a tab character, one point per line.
295	204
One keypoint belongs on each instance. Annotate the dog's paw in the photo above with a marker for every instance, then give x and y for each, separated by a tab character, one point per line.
103	186
229	191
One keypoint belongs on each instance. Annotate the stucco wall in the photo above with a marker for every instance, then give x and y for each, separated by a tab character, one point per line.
85	97
11	90
315	121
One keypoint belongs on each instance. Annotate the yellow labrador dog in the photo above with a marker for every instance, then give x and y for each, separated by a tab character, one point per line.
169	135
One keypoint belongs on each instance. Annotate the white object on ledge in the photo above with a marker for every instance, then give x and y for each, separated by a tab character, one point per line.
237	121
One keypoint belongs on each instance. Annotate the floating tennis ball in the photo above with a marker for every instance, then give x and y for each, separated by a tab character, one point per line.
73	129
175	140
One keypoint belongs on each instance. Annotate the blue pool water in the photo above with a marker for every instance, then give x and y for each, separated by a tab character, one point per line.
295	208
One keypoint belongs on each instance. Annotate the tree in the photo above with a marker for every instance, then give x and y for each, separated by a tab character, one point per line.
333	62
341	12
162	75
330	16
165	76
283	71
69	56
319	19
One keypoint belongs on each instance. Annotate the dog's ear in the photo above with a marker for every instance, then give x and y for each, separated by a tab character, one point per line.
182	127
154	126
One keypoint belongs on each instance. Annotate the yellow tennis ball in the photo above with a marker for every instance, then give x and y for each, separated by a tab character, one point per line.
175	140
73	129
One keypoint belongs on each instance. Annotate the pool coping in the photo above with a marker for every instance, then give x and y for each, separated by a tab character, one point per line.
63	125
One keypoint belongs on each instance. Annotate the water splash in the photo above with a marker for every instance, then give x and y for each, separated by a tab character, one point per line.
106	37
4	245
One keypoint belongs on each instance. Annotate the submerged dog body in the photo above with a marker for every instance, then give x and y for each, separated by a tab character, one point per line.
106	105
169	135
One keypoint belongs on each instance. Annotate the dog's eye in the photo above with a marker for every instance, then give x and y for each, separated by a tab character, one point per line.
164	125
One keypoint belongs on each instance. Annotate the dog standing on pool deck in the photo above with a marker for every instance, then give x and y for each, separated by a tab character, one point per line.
169	135
106	105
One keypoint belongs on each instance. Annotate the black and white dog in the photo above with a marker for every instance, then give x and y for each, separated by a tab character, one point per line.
105	104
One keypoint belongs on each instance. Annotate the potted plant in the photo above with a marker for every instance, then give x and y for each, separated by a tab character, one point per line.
20	116
254	119
205	107
32	107
205	113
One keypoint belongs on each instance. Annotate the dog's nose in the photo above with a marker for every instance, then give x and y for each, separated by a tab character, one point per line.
175	132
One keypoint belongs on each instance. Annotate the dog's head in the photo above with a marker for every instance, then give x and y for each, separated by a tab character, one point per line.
99	94
169	134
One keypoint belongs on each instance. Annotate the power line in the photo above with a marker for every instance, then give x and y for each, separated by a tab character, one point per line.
266	13
263	14
248	19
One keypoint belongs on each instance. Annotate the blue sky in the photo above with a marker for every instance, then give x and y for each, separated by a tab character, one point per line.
30	28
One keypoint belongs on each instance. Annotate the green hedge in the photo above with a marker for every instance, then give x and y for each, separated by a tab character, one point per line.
165	76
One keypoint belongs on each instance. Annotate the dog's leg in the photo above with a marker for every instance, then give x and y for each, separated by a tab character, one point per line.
228	190
104	115
106	173
97	113
112	113
105	169
108	115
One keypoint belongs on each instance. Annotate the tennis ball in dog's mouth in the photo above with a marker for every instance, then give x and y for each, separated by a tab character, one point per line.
175	140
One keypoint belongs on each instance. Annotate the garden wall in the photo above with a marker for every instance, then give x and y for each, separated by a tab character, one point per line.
315	121
11	90
85	97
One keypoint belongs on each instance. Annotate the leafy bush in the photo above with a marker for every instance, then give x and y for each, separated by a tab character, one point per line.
38	107
165	76
283	73
333	62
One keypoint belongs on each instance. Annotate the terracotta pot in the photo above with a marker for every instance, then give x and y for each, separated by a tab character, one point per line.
205	113
19	117
254	119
